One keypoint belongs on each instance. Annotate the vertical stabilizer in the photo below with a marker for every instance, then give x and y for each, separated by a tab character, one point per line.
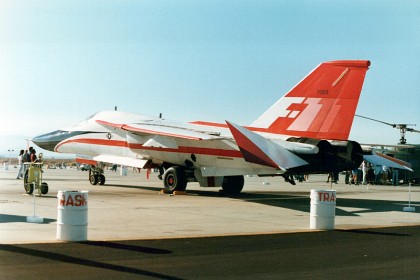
321	106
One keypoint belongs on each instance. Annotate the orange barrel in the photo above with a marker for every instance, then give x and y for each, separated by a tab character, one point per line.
322	209
72	217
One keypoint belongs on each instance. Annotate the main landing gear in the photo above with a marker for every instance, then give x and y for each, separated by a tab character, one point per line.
176	178
233	184
96	175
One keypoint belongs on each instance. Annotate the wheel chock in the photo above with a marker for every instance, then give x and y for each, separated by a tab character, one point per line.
174	193
179	193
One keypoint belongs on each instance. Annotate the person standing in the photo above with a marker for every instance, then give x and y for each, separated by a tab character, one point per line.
377	170
365	168
355	176
385	174
347	178
335	177
395	180
20	160
33	155
26	158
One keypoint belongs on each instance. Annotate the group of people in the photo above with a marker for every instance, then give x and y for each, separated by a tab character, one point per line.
25	156
372	174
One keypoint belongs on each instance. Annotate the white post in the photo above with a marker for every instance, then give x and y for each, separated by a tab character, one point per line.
34	218
123	171
409	208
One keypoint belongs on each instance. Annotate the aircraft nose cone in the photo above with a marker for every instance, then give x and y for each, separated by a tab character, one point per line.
50	140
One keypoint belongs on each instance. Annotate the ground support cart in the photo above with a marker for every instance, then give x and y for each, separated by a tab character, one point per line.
33	179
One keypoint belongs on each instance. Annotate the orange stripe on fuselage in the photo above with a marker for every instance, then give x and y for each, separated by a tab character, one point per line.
115	143
180	149
86	161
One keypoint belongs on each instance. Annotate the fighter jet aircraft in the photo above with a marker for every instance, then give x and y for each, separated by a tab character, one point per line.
305	131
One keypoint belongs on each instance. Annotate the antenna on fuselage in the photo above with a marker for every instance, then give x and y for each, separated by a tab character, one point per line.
115	108
160	115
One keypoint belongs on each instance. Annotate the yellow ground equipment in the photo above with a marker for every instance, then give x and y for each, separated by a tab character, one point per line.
33	179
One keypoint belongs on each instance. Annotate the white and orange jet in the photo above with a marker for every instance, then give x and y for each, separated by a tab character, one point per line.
306	131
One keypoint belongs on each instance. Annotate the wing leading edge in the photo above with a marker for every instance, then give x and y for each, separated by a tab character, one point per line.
162	129
381	159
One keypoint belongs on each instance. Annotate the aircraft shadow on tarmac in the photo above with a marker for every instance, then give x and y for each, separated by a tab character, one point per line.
6	218
302	203
70	179
125	246
67	259
147	188
297	201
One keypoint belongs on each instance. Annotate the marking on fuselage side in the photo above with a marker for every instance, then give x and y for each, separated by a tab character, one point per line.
226	158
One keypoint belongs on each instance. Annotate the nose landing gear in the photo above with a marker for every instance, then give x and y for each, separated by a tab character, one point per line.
96	175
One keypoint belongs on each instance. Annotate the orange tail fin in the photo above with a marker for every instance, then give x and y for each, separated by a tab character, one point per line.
321	106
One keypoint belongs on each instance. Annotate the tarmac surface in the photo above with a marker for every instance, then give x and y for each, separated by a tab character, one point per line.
135	232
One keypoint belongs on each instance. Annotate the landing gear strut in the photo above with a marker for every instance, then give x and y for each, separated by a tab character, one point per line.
289	178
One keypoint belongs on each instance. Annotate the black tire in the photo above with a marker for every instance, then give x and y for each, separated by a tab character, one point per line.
233	184
93	179
174	179
44	188
29	188
101	179
25	177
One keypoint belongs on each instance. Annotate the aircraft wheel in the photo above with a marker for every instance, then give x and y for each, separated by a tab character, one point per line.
101	179
233	184
93	179
29	188
44	188
174	179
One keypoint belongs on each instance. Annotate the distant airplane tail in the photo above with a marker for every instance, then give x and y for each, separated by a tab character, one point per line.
321	106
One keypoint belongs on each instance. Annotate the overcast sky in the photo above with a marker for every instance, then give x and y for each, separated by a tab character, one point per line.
62	61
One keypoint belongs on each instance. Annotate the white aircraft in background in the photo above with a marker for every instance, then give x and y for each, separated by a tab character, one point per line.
305	131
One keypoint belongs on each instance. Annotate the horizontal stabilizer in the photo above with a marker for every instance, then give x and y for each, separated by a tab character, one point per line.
259	150
381	159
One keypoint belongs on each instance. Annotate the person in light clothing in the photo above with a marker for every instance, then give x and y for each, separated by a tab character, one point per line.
365	168
385	174
20	160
